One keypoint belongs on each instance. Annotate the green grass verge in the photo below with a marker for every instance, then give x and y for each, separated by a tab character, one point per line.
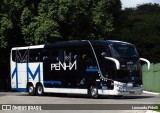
158	110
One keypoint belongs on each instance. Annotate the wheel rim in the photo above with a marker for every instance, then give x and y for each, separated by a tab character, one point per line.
94	91
40	90
30	89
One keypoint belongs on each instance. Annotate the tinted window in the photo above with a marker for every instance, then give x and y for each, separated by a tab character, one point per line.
34	55
86	55
99	49
71	54
20	56
50	55
14	55
121	50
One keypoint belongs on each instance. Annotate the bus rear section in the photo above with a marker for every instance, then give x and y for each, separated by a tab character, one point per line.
77	67
26	68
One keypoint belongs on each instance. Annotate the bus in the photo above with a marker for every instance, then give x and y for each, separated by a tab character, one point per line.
93	67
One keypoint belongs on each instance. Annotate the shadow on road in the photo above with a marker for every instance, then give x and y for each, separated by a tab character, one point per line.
143	96
2	95
87	97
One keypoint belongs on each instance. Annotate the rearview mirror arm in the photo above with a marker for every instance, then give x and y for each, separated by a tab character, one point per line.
147	61
115	61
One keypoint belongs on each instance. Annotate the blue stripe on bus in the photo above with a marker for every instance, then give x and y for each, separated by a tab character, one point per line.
92	70
20	89
15	72
52	82
27	72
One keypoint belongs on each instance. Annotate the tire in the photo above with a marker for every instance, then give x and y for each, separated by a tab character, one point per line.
31	90
93	91
39	90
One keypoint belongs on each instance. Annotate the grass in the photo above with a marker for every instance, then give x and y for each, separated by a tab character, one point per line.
158	110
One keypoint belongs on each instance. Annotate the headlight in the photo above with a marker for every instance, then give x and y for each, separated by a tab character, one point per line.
129	85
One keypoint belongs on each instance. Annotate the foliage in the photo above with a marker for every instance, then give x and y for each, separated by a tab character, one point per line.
38	22
6	26
141	26
80	19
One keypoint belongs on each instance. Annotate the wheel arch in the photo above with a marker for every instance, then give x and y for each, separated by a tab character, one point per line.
28	84
38	83
89	86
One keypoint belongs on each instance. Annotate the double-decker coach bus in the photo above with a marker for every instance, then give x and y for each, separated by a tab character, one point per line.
96	67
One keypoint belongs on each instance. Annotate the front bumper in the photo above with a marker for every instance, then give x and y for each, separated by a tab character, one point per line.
122	89
134	91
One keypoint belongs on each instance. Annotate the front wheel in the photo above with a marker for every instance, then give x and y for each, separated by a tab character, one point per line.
93	91
39	90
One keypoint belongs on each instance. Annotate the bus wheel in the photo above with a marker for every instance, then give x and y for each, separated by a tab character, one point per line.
31	90
39	90
93	91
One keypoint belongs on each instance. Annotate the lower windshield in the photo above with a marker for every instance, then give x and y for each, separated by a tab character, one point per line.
123	50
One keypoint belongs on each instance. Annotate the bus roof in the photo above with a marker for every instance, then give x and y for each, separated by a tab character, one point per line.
85	42
28	47
74	43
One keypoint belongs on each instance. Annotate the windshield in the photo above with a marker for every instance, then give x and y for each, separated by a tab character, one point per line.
123	50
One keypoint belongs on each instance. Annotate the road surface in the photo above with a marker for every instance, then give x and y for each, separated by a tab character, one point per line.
24	98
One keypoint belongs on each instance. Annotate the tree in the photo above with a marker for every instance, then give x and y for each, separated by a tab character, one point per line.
37	22
142	28
10	23
40	30
81	19
6	26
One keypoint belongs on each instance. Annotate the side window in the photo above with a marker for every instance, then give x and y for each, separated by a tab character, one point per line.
60	56
22	56
99	50
86	55
34	55
14	55
45	55
50	55
54	55
71	54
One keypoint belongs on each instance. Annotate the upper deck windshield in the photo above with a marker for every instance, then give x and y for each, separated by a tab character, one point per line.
123	50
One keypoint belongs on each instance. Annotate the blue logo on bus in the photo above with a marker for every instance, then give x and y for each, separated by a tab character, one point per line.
29	72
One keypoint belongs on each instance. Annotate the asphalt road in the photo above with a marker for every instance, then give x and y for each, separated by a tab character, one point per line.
24	98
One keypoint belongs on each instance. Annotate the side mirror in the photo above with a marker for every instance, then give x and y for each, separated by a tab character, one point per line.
147	61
